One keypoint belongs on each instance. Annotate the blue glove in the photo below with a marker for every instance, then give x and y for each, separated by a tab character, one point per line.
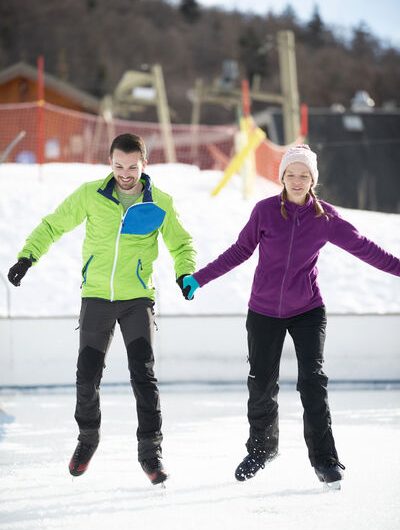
192	283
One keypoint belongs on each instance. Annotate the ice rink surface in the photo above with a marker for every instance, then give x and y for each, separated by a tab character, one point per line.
205	428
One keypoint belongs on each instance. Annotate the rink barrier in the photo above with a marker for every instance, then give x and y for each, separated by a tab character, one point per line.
42	351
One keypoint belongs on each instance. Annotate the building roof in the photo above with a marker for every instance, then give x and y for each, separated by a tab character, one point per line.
22	69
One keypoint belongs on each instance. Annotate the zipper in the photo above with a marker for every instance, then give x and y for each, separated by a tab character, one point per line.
115	260
117	250
295	221
85	270
139	266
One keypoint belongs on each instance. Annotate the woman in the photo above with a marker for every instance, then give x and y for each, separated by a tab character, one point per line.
290	230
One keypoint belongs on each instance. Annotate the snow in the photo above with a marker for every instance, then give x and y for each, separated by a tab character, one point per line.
204	433
52	287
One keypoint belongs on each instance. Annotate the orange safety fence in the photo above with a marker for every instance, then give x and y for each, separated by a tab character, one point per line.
268	158
71	136
56	134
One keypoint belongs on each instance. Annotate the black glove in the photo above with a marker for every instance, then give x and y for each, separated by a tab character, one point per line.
18	271
186	290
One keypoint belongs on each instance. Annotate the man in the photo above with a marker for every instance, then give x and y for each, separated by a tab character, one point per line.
124	215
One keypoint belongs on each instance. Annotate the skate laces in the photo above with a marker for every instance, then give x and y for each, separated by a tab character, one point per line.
330	462
82	452
152	464
257	459
260	455
260	463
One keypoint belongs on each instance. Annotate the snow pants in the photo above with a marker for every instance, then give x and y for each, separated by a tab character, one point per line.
265	342
97	323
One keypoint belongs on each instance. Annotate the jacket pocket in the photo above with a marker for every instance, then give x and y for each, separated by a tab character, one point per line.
85	270
139	269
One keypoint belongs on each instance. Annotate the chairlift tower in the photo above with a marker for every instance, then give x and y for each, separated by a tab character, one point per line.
230	96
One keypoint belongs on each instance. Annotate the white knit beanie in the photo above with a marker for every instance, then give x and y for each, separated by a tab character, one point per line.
303	154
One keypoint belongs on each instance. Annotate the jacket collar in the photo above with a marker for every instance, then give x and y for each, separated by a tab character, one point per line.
292	207
108	185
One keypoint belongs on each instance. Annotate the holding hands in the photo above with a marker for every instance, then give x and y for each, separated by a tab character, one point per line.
188	285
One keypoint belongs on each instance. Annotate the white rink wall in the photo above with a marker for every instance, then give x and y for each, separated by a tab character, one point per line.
196	349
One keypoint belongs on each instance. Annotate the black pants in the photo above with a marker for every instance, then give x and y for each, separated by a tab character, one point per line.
265	341
97	323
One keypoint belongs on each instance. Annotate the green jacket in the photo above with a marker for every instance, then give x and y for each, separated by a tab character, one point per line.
119	249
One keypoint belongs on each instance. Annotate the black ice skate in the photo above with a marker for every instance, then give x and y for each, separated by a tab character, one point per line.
330	472
81	458
154	470
252	463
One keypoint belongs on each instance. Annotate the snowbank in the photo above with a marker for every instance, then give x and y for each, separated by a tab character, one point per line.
52	287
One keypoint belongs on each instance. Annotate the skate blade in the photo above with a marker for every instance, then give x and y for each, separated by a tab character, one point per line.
159	490
332	486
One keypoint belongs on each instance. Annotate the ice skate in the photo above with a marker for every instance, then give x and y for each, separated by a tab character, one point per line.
154	470
252	463
330	473
81	458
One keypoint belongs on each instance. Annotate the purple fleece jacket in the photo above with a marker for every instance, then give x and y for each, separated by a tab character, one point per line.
285	280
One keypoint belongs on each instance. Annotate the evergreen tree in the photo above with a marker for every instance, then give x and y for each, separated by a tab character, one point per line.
289	14
251	54
190	10
315	29
363	44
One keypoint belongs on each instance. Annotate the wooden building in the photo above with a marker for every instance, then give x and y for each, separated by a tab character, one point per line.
60	129
19	84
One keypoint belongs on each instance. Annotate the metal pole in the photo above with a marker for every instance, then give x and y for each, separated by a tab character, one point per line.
289	88
196	110
40	103
163	114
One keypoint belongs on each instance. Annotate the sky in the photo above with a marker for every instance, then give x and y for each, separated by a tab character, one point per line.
383	17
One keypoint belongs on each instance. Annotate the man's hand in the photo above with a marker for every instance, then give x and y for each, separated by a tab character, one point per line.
18	271
188	285
185	291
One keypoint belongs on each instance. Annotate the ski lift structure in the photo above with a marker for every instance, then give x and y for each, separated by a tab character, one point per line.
226	93
137	90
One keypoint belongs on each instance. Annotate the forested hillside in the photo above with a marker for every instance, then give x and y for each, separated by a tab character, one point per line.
90	43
